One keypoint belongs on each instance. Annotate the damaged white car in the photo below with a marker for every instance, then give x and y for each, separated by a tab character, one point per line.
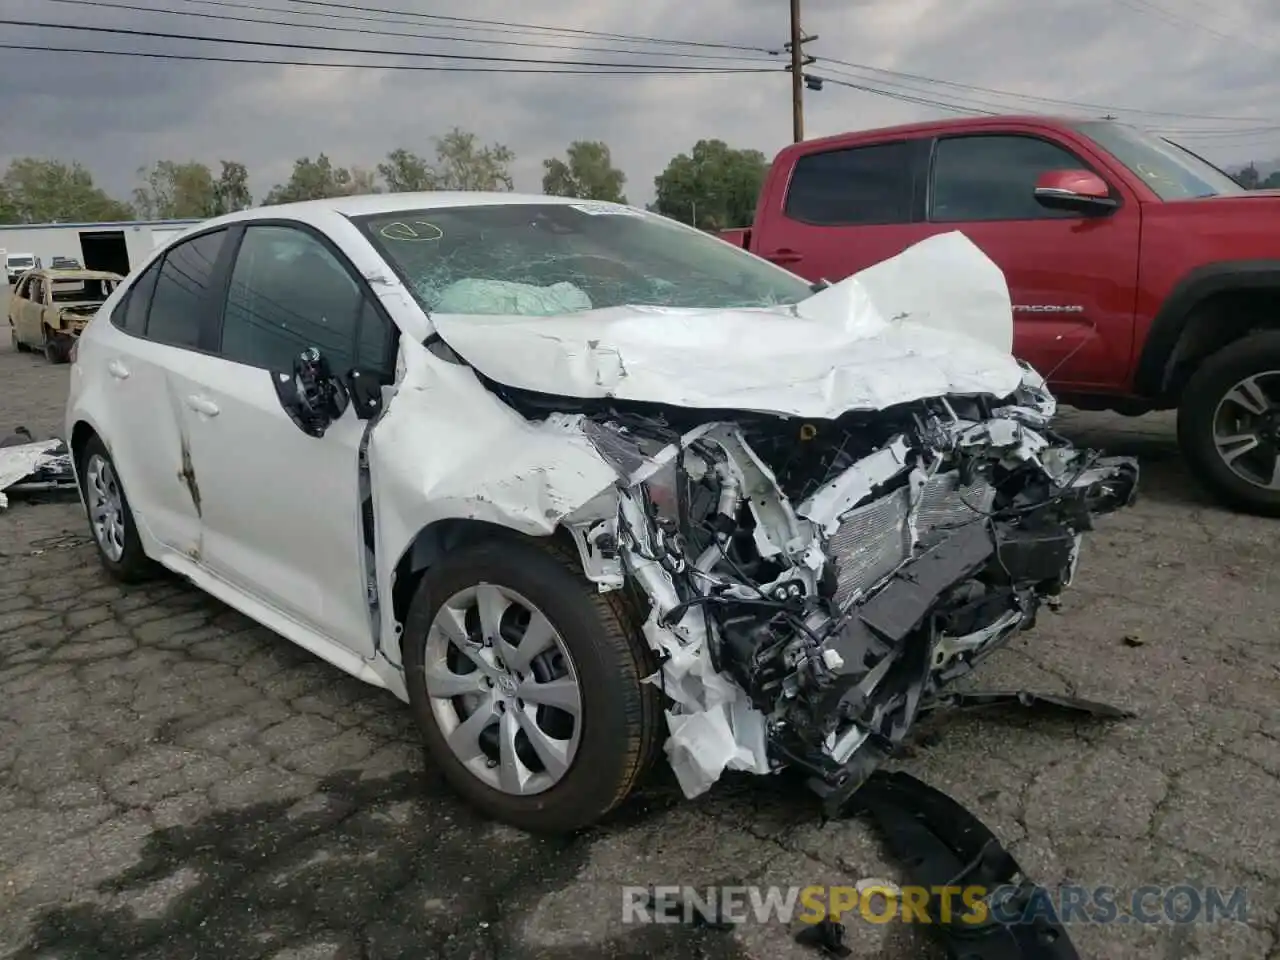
585	486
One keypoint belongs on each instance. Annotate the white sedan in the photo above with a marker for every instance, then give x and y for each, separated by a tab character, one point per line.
581	484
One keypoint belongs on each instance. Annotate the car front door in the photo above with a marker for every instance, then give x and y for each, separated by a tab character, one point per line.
30	308
1072	277
163	316
281	517
848	208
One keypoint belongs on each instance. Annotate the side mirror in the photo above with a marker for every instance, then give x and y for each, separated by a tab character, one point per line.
1079	191
312	396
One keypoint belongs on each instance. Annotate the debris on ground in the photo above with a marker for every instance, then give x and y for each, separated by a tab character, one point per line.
28	465
975	699
945	847
826	936
1133	640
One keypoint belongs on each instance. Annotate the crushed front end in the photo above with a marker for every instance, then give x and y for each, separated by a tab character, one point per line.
812	585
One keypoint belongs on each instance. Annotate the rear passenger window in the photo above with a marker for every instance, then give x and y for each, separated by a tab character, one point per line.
857	186
993	177
130	314
179	299
289	292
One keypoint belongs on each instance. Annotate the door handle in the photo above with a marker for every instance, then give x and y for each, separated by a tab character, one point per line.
784	256
202	405
118	370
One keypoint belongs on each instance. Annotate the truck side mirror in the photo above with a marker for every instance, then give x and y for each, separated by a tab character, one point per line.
1080	191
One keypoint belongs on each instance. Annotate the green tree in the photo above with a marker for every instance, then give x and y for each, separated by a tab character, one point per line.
713	187
463	164
406	172
1248	177
587	172
35	190
1271	183
172	190
231	189
319	178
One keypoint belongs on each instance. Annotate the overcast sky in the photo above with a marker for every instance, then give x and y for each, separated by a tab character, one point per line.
1188	57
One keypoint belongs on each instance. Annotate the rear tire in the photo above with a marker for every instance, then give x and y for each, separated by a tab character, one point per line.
1211	414
602	649
114	533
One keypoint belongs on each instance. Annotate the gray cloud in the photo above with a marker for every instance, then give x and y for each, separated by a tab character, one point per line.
115	114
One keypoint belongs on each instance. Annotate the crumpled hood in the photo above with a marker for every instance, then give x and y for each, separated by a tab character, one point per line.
935	320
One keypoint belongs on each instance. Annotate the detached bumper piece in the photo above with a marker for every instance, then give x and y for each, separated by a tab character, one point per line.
31	466
944	846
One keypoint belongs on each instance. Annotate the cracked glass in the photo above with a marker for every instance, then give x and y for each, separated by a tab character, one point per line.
555	259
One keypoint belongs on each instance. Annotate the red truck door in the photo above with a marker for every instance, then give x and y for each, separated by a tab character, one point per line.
1072	277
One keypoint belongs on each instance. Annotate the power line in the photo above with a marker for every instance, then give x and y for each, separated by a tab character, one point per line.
1078	104
288	45
904	97
609	70
535	27
371	31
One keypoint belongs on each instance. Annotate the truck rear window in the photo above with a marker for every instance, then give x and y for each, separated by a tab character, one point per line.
853	186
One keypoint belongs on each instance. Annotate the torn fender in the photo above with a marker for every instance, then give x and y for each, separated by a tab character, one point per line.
445	449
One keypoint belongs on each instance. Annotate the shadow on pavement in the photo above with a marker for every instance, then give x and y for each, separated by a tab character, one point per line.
368	869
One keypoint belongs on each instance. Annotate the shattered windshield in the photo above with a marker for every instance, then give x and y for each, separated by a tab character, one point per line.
549	259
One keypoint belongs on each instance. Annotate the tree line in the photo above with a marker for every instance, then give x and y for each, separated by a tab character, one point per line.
1250	179
713	186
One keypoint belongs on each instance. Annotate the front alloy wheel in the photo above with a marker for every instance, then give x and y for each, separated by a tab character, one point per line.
1229	424
105	505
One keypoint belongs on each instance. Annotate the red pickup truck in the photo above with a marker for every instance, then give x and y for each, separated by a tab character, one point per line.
1142	277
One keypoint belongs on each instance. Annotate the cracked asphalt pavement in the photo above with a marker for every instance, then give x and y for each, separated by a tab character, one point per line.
176	782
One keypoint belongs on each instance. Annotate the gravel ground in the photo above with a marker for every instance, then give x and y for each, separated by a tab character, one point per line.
176	782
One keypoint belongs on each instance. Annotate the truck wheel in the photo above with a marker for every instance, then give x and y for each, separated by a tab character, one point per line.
525	682
1229	424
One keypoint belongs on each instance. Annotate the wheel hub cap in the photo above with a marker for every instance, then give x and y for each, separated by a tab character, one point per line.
503	689
106	507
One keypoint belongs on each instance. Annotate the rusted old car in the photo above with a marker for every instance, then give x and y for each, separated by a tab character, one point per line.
48	308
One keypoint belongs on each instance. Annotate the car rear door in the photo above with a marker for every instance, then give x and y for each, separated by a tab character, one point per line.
847	208
1072	277
163	317
281	517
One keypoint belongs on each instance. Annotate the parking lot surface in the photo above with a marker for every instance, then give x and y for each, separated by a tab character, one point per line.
176	782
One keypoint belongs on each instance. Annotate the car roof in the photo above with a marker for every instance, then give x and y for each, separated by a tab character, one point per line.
376	203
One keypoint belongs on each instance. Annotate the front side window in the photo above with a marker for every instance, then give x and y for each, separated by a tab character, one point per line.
180	297
289	292
1171	171
552	259
993	177
860	186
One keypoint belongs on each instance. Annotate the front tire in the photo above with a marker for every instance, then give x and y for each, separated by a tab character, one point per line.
1229	424
525	683
110	518
55	350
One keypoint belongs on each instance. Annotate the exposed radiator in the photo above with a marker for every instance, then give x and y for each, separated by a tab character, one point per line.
873	540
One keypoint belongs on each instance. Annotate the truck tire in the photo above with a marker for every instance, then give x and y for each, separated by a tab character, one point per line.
1229	424
575	763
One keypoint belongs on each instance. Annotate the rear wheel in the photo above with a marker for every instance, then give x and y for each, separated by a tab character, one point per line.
110	520
525	682
1229	424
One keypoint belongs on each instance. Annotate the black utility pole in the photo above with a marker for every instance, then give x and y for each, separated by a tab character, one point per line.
798	62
